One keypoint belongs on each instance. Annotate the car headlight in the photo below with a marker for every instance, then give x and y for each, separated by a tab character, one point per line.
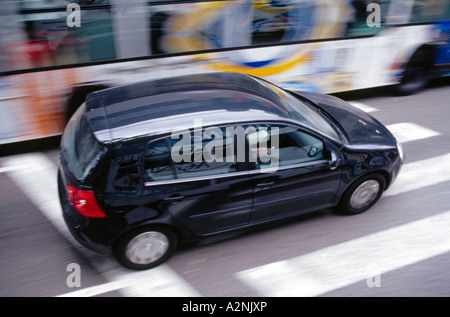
400	151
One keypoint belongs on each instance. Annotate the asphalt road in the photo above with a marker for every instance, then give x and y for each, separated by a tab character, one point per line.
400	247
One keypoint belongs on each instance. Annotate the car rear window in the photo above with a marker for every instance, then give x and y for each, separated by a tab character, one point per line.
79	146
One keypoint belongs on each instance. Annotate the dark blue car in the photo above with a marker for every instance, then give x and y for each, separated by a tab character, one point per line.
150	165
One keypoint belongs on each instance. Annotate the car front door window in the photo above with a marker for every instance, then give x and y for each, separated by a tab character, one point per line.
285	145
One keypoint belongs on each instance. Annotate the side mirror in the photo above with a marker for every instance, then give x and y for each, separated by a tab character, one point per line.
334	160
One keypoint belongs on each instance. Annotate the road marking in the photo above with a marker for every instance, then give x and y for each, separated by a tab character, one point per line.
363	106
362	259
96	290
36	176
408	131
7	169
404	131
158	282
420	174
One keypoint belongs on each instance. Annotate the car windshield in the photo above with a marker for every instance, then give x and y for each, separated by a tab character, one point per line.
305	113
78	145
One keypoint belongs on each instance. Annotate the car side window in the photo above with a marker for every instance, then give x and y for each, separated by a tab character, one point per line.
158	164
189	154
203	154
125	169
286	145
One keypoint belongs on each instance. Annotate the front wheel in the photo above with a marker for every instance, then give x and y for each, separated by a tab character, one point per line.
362	194
145	247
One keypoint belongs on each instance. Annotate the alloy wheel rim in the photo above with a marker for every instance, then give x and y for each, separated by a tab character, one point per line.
147	247
365	194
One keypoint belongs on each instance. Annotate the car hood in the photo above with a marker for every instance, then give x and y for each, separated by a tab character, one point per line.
359	126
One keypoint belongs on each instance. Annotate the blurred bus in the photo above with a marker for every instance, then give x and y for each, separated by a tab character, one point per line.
47	68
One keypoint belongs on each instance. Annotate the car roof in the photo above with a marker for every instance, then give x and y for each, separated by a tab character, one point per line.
169	104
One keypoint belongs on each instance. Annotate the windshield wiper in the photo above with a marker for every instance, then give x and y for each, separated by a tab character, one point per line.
332	122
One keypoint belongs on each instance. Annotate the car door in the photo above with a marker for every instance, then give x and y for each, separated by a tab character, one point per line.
205	197
297	178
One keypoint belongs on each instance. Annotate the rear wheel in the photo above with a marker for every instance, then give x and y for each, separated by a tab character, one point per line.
417	72
145	247
362	194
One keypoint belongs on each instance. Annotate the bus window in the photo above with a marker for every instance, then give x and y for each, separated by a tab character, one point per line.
41	36
283	21
232	24
432	10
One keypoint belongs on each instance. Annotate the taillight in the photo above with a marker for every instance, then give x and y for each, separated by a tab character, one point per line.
84	202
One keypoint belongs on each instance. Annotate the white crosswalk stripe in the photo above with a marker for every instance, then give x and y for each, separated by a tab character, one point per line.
403	131
363	106
420	174
340	265
408	131
158	282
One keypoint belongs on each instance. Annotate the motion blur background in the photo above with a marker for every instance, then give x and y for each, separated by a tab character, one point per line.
52	55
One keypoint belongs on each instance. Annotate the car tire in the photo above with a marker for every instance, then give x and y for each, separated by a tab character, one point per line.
362	194
146	247
416	73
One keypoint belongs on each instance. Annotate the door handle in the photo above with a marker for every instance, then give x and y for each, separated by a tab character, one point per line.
265	185
173	199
